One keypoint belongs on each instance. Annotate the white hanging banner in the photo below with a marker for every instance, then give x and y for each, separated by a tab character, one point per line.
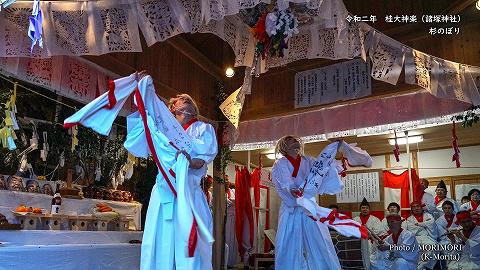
359	186
387	59
417	69
343	81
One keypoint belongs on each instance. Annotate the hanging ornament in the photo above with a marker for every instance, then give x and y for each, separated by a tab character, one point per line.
343	173
396	150
62	160
35	26
456	149
44	151
74	132
7	132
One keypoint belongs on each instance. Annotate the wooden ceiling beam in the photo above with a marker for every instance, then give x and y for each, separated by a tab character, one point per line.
458	6
192	53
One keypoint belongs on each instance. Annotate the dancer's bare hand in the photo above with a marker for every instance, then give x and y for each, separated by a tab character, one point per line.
140	75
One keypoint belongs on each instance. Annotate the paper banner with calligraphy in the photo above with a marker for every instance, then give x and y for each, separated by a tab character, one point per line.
343	81
448	81
471	83
387	60
359	186
232	108
417	69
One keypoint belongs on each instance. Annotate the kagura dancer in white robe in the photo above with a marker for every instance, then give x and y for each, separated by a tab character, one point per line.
178	227
389	258
427	198
469	238
474	202
423	226
303	240
441	197
445	224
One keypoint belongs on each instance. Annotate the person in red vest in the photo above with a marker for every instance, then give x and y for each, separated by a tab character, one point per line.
469	239
446	223
301	244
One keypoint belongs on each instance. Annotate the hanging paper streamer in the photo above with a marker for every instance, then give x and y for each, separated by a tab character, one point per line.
44	151
456	150
35	27
387	60
232	108
74	132
7	132
396	150
6	3
417	69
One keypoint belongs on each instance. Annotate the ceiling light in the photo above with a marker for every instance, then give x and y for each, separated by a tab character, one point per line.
272	156
403	140
229	72
478	5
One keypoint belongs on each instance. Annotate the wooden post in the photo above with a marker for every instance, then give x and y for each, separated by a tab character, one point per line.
219	208
415	162
388	163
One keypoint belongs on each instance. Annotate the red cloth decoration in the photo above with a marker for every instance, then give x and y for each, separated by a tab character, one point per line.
111	95
259	30
391	180
295	163
344	166
395	236
396	150
243	208
456	150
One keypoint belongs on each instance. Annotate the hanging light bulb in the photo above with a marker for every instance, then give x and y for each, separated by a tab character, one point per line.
229	72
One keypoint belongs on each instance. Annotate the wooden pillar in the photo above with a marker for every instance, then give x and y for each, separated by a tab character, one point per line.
219	207
415	162
388	164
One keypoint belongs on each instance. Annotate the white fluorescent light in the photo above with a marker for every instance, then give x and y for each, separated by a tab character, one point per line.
403	140
272	156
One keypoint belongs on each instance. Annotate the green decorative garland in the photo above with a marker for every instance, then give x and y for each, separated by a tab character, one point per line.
469	117
224	153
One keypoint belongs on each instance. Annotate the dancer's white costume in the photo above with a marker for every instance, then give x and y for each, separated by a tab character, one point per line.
178	227
303	240
426	233
398	259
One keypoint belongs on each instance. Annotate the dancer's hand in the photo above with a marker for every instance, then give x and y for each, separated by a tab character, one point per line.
296	192
140	75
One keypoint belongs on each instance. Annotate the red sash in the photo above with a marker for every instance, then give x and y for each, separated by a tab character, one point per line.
364	219
474	205
295	163
396	236
187	125
419	218
449	220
